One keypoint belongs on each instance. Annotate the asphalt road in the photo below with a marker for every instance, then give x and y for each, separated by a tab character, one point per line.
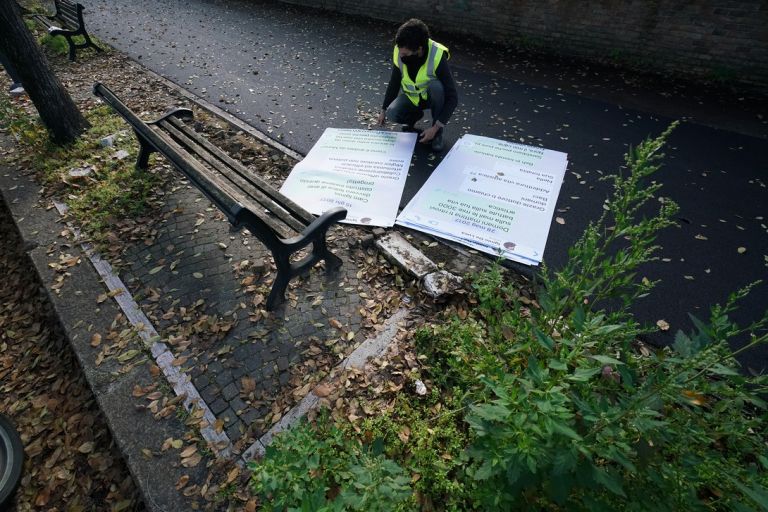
293	72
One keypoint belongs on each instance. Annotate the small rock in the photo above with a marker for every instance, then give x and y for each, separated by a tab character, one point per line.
80	172
421	389
107	142
367	240
259	267
121	155
379	231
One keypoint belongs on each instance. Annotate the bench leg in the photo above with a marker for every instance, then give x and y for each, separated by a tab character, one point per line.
142	162
321	252
282	279
71	48
90	43
282	250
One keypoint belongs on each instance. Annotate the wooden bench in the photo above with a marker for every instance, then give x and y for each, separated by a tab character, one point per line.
67	22
247	200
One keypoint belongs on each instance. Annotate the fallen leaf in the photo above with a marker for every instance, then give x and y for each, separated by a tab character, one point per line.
694	397
183	479
96	340
233	474
86	447
191	461
188	451
323	390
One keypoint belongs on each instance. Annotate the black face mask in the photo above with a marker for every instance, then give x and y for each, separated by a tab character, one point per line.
412	60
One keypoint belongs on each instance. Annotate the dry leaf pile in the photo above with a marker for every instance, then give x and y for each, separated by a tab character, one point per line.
71	462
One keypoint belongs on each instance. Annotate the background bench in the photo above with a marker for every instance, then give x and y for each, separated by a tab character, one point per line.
67	22
247	200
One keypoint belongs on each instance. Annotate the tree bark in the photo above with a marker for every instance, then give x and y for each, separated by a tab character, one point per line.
57	111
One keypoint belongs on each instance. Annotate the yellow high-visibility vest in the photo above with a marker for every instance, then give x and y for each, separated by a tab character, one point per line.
418	89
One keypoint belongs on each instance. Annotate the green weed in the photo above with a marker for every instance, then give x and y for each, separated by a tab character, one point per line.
549	405
320	469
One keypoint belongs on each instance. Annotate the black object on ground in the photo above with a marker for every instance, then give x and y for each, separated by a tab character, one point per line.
236	191
67	22
11	460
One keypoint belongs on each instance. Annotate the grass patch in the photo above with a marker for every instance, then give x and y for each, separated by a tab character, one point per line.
112	190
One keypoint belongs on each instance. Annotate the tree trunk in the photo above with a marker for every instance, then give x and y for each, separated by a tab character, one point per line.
56	108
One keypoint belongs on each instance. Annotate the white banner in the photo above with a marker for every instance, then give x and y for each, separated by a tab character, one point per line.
363	171
492	195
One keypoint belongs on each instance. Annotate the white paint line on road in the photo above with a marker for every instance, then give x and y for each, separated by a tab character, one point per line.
182	386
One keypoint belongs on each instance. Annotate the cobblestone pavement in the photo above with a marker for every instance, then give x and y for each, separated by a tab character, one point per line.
204	287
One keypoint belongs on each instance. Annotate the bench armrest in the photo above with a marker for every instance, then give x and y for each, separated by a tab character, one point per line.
328	218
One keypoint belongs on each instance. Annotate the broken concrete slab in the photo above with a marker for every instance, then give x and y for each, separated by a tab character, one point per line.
398	250
440	283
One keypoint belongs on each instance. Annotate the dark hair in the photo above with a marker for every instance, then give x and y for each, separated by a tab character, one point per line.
412	34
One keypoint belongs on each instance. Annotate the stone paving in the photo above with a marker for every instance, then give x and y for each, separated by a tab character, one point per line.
203	286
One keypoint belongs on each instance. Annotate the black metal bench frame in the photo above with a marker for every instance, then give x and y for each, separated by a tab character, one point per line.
70	16
236	191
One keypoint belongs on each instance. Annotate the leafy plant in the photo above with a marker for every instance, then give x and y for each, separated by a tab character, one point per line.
576	416
319	469
552	404
426	439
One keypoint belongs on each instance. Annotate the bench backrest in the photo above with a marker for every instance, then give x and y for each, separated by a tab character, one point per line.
231	187
69	12
250	190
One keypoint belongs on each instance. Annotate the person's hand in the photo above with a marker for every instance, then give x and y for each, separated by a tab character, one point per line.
429	134
382	117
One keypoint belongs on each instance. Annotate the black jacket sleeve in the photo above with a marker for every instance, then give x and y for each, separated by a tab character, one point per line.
393	88
443	73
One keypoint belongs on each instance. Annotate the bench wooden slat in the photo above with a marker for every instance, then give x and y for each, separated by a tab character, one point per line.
206	181
241	179
70	19
68	9
241	183
196	163
294	209
40	18
68	12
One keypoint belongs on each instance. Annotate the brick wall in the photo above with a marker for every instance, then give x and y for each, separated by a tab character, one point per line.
726	39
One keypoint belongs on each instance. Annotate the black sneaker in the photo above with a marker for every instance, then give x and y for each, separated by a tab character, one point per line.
437	142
